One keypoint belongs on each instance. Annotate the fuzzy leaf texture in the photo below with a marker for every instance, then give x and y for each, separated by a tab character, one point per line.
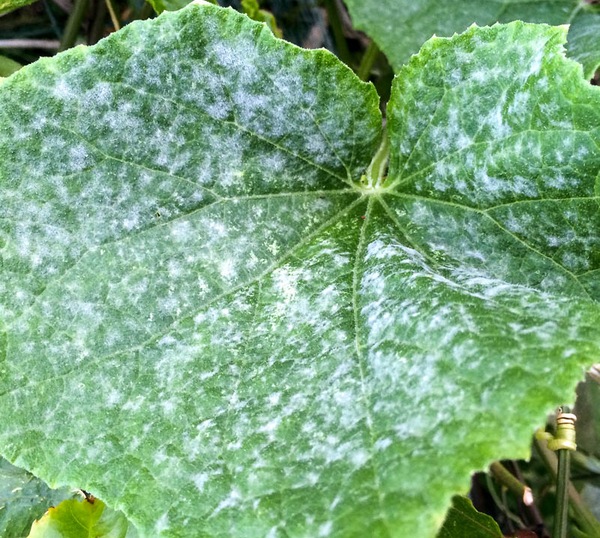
211	323
400	27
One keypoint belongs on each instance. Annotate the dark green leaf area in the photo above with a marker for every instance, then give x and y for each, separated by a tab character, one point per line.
501	155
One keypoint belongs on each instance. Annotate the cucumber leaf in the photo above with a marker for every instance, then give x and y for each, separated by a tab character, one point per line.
217	322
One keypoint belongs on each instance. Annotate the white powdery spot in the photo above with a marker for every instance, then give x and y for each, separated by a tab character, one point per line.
227	269
162	524
382	444
271	426
181	230
231	501
286	282
79	157
200	481
325	529
63	90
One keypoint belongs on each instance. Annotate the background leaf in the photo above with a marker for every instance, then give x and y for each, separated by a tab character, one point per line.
463	521
10	5
584	39
8	66
400	27
172	5
224	331
75	518
23	498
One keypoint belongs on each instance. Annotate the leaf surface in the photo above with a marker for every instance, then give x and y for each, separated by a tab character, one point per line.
400	27
213	324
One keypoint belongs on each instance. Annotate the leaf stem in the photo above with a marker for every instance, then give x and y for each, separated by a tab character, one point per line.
378	166
113	14
561	515
96	31
73	25
17	43
584	519
338	32
368	59
510	482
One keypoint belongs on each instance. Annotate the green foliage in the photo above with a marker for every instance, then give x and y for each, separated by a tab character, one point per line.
173	5
400	27
463	521
23	498
10	5
584	39
217	319
78	519
252	9
8	66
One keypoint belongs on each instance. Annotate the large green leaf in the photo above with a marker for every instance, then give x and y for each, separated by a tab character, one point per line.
213	324
400	27
23	498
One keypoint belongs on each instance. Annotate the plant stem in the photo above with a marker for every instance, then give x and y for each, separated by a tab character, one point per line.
338	32
113	14
510	482
29	44
368	59
73	25
146	12
581	514
378	166
561	516
500	503
55	27
96	32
